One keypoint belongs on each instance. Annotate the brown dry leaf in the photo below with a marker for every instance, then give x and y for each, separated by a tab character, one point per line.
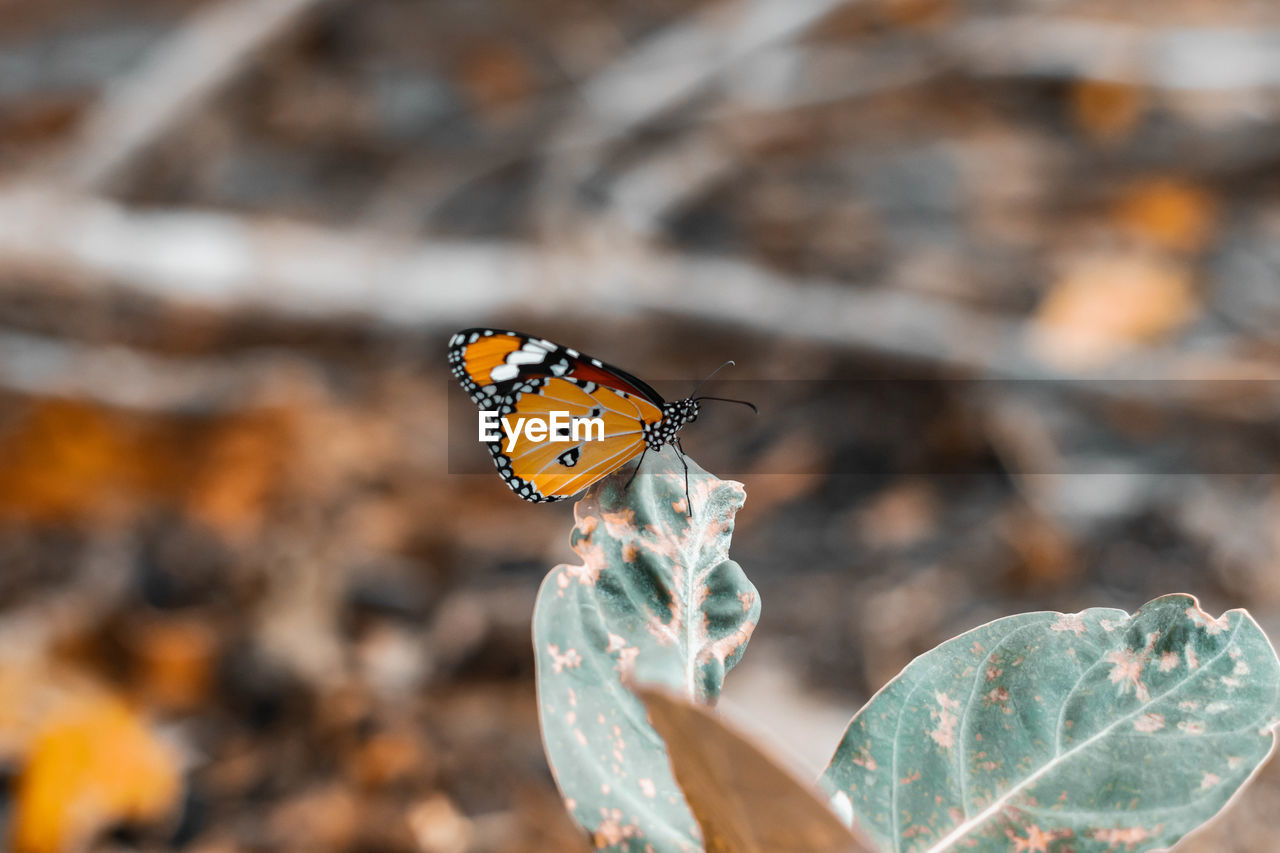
1108	112
744	800
30	693
1168	213
388	758
1105	305
94	762
240	465
175	660
63	460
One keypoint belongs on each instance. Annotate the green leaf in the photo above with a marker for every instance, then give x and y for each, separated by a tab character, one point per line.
1050	732
657	601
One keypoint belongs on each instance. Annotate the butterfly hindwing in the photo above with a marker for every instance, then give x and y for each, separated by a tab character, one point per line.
552	470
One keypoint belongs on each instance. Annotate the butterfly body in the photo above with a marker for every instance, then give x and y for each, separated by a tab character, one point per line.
520	376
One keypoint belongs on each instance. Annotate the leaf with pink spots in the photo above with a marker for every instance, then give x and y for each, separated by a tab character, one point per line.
656	600
1091	732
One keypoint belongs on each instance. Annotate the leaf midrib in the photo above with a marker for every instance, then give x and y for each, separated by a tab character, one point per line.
969	825
691	587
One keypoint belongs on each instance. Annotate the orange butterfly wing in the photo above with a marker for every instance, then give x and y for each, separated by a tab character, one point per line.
521	376
552	470
489	352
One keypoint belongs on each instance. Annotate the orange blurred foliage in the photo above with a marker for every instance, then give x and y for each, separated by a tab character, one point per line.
1103	306
93	762
63	461
1167	213
240	460
174	659
1107	112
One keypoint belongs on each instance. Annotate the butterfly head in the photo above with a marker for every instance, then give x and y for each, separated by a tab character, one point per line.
675	415
682	412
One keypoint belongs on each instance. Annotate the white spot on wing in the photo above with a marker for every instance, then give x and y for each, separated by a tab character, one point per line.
503	372
524	357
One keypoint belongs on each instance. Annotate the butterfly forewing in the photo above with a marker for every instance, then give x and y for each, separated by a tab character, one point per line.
489	363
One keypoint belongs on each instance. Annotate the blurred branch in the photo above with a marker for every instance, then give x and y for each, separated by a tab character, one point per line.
772	70
172	81
784	77
776	72
226	261
798	75
121	377
1201	59
644	195
682	60
781	75
661	73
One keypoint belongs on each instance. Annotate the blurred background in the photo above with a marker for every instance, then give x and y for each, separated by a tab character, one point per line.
239	568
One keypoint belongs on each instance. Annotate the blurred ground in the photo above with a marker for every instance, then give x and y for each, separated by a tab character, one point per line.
236	235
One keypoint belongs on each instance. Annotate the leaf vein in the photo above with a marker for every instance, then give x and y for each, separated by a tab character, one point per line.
967	826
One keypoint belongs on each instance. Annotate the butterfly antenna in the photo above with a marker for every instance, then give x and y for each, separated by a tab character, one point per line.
728	400
729	363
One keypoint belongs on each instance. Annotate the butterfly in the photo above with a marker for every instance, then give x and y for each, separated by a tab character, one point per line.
520	376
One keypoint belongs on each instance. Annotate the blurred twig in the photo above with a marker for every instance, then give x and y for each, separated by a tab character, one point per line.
171	82
661	73
123	377
682	60
1202	59
226	261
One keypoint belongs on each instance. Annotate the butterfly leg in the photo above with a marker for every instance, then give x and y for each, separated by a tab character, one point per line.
688	502
636	471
